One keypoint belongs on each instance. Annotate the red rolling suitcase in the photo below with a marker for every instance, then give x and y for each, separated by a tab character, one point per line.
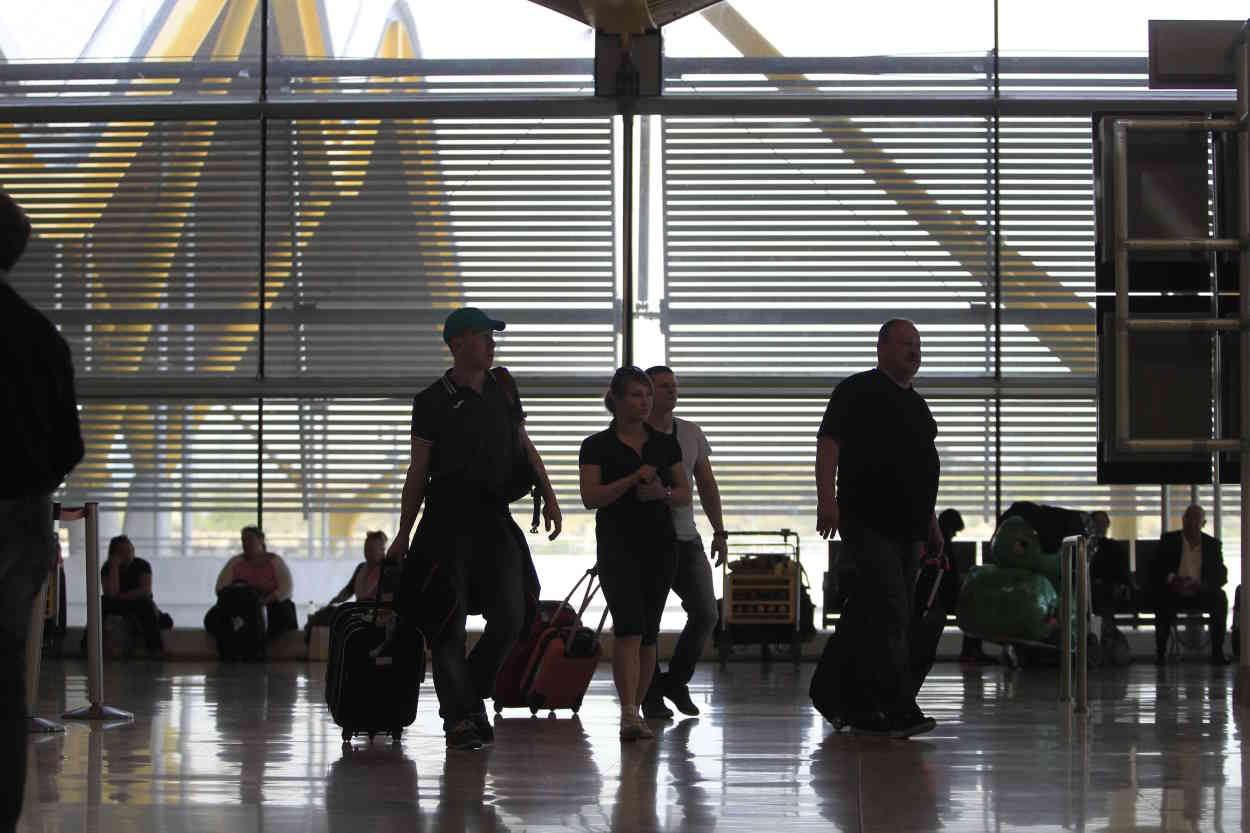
557	659
509	683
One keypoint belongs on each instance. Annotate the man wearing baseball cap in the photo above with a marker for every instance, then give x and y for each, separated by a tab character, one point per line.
468	440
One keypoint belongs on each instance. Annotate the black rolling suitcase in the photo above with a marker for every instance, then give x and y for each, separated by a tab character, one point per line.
837	691
368	694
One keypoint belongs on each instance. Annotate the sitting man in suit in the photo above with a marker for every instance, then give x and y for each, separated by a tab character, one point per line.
1189	574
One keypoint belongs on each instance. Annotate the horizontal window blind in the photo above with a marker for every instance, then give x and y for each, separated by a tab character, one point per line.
1048	248
166	456
146	244
764	452
377	230
789	241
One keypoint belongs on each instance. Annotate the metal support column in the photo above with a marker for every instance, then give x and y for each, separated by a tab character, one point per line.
1241	691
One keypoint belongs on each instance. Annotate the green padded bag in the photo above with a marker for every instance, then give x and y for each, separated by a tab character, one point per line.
1003	604
1016	544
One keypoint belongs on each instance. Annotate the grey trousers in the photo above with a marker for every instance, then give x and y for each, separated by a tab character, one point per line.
27	548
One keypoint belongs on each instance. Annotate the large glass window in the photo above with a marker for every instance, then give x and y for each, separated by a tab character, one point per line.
813	170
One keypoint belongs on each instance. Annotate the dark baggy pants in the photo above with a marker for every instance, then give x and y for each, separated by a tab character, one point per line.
27	548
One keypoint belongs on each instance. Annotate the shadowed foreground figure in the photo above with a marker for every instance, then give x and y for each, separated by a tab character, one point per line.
40	443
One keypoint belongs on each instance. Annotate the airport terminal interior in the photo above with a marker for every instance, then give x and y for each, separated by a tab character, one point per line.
252	218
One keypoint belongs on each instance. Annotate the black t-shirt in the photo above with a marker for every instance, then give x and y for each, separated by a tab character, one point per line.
40	441
474	436
888	464
131	574
627	516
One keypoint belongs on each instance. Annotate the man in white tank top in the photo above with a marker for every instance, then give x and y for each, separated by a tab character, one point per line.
693	581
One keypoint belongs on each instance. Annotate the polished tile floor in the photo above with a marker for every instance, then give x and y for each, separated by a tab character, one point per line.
251	748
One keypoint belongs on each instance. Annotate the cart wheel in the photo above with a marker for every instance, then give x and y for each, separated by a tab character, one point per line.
347	736
551	715
533	711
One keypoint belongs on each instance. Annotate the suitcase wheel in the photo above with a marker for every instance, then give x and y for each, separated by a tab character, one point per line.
347	736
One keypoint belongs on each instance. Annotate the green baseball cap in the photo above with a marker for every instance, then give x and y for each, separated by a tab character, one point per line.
468	320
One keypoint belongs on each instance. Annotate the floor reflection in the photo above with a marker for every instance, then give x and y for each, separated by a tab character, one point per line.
251	747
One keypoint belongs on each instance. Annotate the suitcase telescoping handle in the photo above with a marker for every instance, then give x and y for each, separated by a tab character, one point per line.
591	589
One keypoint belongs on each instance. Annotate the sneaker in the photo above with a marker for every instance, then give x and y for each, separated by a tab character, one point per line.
463	735
680	695
484	730
653	707
914	722
874	725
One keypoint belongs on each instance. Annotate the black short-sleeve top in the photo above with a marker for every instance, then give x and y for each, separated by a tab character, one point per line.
888	465
131	574
627	516
474	437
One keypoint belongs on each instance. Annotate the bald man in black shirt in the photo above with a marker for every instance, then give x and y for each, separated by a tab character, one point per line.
877	444
40	443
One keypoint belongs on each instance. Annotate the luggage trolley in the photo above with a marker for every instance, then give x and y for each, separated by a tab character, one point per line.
762	592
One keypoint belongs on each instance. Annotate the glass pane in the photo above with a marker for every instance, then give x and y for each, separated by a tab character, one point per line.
100	49
378	230
421	48
146	247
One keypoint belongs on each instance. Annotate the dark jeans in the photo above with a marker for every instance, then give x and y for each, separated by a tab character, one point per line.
491	570
884	588
143	613
1210	600
27	548
693	585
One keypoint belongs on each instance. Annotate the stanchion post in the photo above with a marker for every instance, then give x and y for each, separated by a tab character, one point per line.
1082	625
1065	620
95	710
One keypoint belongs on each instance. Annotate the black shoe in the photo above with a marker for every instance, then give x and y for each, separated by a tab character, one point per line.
653	707
680	695
873	725
914	722
485	731
464	736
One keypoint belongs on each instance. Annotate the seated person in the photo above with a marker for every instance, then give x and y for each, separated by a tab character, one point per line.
1111	578
126	587
363	584
1189	574
267	574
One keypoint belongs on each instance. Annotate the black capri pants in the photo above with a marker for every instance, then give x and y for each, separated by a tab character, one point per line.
636	576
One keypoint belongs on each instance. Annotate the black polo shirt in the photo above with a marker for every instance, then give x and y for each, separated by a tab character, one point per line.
627	516
474	438
888	465
131	574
